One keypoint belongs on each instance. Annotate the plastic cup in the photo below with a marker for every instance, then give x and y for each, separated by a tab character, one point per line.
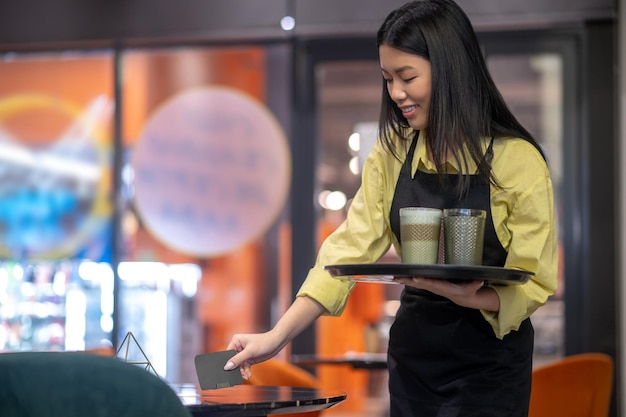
419	234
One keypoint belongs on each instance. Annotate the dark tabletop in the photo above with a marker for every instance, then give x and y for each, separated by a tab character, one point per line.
355	360
255	401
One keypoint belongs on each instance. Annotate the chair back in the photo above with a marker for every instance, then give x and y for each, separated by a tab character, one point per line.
575	386
278	372
73	384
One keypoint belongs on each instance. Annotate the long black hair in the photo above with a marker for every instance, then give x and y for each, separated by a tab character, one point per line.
465	104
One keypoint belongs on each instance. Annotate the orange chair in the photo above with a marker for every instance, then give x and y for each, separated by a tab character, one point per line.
278	372
281	373
575	386
104	351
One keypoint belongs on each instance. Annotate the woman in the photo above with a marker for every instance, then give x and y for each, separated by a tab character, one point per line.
447	139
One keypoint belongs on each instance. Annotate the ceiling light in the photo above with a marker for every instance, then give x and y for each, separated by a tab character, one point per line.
288	23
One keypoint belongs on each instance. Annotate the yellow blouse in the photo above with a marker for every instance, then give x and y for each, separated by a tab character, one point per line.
523	216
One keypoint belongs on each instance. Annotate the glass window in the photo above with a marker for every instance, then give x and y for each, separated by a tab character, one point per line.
56	200
206	171
205	180
532	85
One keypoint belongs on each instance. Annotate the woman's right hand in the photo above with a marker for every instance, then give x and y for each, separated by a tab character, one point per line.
258	347
251	349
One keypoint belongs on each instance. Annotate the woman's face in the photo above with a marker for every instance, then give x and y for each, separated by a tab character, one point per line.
409	83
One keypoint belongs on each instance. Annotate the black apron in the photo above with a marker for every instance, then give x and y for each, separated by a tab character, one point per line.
445	360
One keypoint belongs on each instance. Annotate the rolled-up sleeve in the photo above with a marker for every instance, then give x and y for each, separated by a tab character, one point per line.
524	217
364	237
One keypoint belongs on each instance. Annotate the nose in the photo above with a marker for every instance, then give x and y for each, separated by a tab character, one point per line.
396	92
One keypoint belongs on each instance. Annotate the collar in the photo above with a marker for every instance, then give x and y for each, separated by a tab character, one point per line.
423	163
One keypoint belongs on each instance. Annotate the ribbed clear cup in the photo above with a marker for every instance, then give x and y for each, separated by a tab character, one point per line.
464	232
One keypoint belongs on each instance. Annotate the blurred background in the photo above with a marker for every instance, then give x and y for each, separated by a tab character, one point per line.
170	169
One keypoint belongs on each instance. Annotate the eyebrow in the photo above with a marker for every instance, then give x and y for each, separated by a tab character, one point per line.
400	70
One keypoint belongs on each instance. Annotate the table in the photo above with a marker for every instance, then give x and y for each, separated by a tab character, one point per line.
255	400
356	360
373	363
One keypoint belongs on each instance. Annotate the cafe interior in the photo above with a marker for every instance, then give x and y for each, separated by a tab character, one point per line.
186	160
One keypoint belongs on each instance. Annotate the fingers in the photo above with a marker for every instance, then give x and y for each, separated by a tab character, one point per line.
250	349
238	345
234	362
445	288
230	365
246	354
478	283
244	367
404	280
246	371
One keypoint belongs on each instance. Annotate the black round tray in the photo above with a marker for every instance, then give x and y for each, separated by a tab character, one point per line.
386	273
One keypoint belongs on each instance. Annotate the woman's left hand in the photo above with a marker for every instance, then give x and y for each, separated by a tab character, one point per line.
472	294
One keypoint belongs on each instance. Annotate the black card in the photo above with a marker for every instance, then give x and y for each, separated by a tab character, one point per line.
211	373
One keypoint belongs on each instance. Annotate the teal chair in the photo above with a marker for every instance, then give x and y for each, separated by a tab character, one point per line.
64	384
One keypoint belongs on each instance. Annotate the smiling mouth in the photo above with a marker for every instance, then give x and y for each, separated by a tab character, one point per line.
409	109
